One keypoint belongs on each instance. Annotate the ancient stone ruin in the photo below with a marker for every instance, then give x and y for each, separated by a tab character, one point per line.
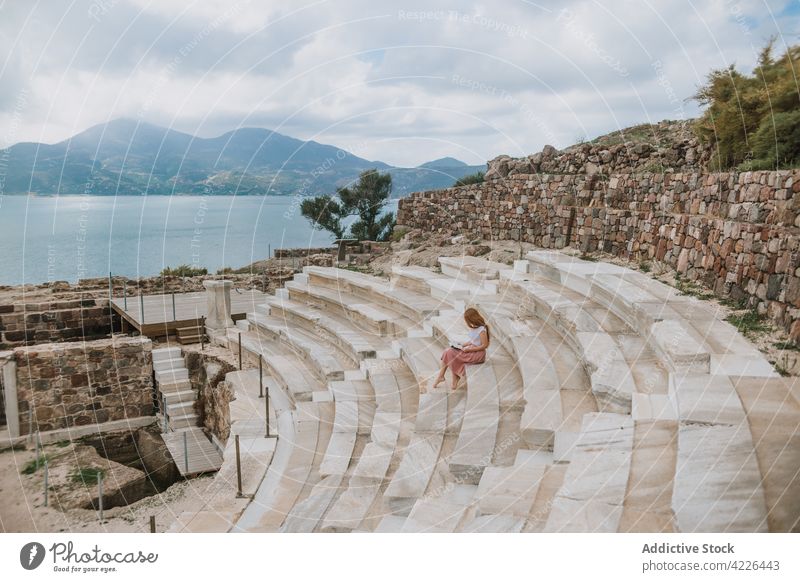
608	402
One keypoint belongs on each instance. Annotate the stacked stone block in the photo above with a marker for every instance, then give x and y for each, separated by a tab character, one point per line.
76	384
738	233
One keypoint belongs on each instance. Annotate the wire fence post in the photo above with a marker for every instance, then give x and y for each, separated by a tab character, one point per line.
125	295
152	524
240	350
100	493
141	307
266	412
186	452
238	469
174	317
46	482
110	287
260	377
38	448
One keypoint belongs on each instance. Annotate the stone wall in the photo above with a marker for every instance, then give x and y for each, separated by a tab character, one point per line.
24	323
75	384
207	374
669	146
289	253
738	233
216	399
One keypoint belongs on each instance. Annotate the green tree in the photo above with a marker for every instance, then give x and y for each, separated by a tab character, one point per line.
752	120
325	213
366	199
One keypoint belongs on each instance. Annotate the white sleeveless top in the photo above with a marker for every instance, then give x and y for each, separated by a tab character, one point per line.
475	335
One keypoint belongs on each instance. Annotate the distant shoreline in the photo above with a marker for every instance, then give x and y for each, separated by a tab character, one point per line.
94	195
182	194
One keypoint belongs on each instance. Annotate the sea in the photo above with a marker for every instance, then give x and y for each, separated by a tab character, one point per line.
67	238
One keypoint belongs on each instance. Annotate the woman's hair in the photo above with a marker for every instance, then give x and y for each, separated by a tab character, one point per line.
474	319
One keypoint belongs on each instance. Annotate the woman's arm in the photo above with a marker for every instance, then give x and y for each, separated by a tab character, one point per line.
484	344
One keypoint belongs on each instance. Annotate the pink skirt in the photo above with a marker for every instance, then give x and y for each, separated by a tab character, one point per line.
456	359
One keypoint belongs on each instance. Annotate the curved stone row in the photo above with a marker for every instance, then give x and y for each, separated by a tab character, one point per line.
608	402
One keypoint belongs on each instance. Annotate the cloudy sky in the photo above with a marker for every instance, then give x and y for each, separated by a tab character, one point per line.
403	82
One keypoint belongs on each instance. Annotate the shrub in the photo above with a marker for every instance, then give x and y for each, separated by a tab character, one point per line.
476	178
183	271
753	121
776	144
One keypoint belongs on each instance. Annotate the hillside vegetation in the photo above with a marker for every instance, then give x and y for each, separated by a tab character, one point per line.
753	121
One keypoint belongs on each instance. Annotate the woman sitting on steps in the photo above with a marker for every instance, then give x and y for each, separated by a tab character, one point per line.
473	351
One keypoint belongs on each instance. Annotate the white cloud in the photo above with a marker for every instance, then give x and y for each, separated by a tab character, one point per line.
400	83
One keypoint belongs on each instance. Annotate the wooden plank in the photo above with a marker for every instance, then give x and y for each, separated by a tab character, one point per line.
203	456
190	308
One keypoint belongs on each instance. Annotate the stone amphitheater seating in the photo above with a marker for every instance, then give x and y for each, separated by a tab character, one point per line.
608	402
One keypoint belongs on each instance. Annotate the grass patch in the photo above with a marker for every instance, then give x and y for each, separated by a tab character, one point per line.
691	289
357	269
34	465
645	267
787	346
749	323
738	304
655	167
87	476
781	370
398	234
62	444
589	258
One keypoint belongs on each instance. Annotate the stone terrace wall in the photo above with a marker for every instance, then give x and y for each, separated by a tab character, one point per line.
738	233
24	323
75	384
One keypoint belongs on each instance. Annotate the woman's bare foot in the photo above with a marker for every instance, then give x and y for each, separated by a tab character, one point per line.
438	380
454	384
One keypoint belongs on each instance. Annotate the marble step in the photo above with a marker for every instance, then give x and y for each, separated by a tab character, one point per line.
161	354
180	421
180	396
167	365
171	375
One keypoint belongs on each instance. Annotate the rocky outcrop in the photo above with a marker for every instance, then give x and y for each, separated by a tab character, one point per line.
207	375
665	147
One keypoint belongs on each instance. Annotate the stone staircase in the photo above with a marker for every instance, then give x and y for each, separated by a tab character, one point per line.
174	390
608	402
190	448
223	506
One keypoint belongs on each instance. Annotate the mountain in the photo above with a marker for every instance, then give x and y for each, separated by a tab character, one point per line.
444	163
130	157
441	173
